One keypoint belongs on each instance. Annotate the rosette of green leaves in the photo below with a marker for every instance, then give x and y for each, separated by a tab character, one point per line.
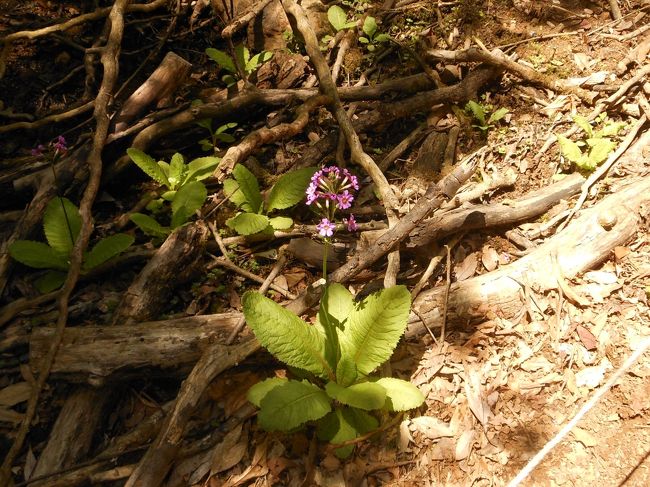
61	225
372	35
339	19
243	58
185	191
346	344
590	151
244	191
479	111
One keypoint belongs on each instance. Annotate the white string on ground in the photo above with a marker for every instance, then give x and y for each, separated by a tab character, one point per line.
537	459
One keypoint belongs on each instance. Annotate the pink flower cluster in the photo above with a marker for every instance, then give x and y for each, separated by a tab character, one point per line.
59	145
329	191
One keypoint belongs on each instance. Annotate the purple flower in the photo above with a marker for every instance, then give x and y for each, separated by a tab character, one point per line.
326	228
345	200
351	223
38	150
60	144
312	193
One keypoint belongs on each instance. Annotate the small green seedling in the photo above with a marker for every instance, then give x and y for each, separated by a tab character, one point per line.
593	149
242	59
62	224
244	192
337	354
479	111
372	37
339	19
185	191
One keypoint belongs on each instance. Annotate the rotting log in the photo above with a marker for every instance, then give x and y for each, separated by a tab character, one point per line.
73	431
174	263
94	353
582	245
166	78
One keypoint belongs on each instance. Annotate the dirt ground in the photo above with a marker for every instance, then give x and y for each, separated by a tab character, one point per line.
497	391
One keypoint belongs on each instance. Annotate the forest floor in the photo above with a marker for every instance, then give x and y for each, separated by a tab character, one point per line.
499	383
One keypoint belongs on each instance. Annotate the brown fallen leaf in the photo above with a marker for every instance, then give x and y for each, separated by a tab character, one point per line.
467	268
230	451
587	338
490	258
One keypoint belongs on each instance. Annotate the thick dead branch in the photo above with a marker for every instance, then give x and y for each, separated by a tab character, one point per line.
435	195
498	59
54	118
244	18
167	77
497	214
237	153
93	354
73	431
174	263
583	244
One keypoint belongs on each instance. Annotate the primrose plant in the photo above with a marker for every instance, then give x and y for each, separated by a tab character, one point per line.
595	146
242	59
372	37
480	112
334	358
255	214
185	191
61	225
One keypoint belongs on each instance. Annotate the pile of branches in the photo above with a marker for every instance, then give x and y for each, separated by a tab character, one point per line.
103	357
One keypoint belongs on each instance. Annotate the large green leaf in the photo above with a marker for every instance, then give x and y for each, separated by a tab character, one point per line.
61	224
335	306
148	165
345	424
286	336
281	222
337	17
375	326
201	168
339	302
369	26
222	59
366	395
190	196
149	226
290	189
242	55
37	255
289	405
177	170
257	392
400	394
233	193
248	223
477	110
346	372
248	186
106	249
50	281
569	149
600	149
584	124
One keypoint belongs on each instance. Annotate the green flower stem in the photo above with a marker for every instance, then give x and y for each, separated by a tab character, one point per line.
330	331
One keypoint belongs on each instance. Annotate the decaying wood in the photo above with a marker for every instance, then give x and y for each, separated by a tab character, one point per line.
73	432
583	244
497	58
493	215
167	77
93	353
175	262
